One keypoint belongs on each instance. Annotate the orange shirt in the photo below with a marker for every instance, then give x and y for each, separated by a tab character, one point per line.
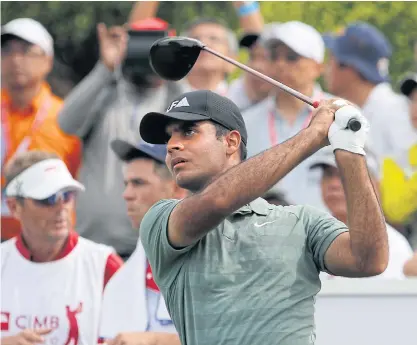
45	136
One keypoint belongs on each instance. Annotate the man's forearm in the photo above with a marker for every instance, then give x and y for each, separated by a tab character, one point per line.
251	22
142	10
77	112
167	339
367	228
239	186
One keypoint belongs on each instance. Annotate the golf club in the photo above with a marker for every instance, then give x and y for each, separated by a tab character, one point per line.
172	58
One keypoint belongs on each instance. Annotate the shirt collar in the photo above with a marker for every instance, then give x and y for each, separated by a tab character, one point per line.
69	246
258	206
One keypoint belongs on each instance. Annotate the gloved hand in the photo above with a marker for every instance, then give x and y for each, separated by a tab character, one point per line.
341	137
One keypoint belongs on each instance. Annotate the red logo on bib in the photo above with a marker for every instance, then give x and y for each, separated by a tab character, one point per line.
5	319
73	333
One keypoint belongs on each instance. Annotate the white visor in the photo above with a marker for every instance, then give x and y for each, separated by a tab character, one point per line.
43	180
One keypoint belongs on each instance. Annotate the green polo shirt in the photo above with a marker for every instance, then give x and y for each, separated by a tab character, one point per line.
251	280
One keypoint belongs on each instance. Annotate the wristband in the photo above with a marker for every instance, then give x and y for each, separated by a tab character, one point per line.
248	8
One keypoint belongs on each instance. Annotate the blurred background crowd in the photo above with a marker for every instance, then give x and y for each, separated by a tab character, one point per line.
72	86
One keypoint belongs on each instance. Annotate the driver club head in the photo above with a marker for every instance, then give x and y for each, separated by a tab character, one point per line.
173	57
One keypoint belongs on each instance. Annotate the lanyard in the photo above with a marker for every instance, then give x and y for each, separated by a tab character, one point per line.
24	144
273	133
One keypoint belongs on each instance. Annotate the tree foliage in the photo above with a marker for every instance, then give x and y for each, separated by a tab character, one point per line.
73	24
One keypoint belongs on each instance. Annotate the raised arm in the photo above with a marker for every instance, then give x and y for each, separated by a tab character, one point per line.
250	16
363	251
80	107
143	10
195	216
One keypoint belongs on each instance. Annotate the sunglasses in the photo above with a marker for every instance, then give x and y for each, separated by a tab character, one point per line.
288	56
54	199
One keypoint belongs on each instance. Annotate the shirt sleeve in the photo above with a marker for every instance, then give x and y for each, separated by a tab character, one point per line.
165	260
322	229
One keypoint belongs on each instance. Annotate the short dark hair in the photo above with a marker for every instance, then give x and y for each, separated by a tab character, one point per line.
221	131
159	168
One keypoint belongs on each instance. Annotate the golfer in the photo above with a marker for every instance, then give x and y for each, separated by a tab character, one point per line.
233	268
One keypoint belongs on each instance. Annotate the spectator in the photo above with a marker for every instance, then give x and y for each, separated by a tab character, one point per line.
209	72
275	197
358	71
248	90
399	174
50	276
296	52
133	303
100	109
28	107
334	198
410	267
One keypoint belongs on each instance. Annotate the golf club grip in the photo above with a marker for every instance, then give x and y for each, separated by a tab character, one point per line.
354	125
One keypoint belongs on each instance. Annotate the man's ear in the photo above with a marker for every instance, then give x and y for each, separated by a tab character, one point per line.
233	140
14	206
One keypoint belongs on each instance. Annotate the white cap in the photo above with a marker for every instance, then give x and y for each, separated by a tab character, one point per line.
268	31
32	31
326	157
300	37
42	180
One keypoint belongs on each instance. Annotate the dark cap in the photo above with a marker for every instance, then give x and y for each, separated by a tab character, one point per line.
363	47
127	151
248	40
408	84
201	105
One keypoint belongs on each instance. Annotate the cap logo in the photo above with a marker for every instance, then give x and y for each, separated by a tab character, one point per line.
177	104
50	168
383	67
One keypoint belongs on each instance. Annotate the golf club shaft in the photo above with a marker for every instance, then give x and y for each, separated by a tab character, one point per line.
284	87
353	124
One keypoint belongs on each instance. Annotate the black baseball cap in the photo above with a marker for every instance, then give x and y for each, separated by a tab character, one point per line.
127	151
408	84
248	39
201	105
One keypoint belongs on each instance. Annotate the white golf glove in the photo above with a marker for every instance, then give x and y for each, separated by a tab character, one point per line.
343	138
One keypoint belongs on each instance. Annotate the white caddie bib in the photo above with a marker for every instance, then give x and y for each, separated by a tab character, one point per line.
64	295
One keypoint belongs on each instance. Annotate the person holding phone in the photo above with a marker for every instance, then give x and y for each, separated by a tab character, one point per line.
108	104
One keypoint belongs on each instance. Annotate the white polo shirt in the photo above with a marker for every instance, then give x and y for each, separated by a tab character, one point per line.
391	133
64	295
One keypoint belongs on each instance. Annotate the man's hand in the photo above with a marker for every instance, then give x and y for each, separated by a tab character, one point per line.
342	137
145	338
323	118
113	45
27	337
